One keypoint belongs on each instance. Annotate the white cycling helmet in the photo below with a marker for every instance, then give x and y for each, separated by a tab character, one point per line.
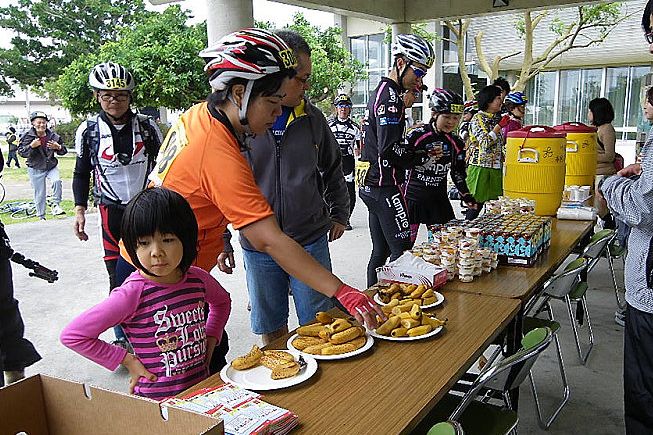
414	48
111	76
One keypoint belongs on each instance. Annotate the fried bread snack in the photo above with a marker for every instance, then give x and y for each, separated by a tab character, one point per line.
276	358
286	371
248	361
301	342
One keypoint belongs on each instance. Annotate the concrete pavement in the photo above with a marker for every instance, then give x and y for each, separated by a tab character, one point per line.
596	404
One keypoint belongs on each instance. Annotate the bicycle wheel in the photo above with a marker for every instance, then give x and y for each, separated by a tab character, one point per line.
27	211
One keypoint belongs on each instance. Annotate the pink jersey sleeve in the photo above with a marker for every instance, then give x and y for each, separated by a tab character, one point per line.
81	335
219	305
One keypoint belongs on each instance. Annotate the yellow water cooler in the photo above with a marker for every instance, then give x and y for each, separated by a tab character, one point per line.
582	141
535	167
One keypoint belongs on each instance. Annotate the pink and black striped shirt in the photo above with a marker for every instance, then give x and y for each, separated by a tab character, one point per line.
165	323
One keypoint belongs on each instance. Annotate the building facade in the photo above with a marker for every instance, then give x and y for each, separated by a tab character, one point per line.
614	69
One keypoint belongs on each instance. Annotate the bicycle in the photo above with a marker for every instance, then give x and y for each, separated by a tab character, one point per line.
2	190
22	209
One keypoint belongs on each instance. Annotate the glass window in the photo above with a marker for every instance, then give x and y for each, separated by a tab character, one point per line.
544	99
449	49
635	100
531	86
357	48
451	79
568	96
378	53
591	88
615	91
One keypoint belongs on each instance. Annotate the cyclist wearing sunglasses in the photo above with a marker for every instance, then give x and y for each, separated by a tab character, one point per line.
385	156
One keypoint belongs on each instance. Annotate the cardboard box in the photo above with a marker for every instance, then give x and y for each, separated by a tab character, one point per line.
412	270
44	405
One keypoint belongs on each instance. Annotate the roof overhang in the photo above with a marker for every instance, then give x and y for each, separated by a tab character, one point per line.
412	11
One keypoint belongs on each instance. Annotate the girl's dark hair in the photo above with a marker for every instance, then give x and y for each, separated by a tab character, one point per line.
602	111
165	211
263	87
646	16
486	95
502	83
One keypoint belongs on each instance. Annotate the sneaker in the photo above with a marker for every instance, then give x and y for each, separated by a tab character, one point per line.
56	210
620	318
348	227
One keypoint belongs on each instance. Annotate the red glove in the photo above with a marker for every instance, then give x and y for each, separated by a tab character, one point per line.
359	305
504	121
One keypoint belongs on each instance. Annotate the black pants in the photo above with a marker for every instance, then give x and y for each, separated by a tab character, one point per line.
389	227
348	167
638	372
351	188
16	352
219	358
12	156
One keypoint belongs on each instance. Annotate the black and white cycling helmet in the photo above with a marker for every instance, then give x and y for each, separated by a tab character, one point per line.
342	100
248	54
414	48
110	76
444	101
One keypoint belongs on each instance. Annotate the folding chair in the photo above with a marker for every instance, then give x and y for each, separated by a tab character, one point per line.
481	416
556	286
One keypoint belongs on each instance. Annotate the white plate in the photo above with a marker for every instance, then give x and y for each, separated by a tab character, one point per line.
419	337
367	345
439	299
259	378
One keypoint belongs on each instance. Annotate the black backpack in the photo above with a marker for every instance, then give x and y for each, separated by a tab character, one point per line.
150	139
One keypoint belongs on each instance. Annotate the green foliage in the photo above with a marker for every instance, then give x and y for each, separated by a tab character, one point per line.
160	51
67	132
602	16
51	34
333	65
416	29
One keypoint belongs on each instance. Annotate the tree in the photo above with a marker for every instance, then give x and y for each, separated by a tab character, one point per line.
160	51
459	30
51	34
333	65
591	25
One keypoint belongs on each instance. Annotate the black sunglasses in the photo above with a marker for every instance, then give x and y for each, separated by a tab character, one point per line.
649	37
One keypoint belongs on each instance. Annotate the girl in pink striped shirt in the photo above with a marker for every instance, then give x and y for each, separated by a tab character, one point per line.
162	306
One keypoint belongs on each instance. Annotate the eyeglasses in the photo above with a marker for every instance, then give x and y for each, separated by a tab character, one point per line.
419	72
343	106
649	37
121	98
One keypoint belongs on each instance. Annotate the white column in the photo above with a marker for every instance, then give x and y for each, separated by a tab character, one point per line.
398	28
226	16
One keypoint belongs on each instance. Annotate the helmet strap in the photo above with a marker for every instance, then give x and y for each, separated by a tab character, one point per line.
400	75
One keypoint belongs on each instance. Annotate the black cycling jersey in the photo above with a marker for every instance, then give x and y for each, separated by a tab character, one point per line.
426	187
385	148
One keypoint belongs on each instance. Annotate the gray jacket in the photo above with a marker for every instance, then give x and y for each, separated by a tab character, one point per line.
631	200
302	177
41	158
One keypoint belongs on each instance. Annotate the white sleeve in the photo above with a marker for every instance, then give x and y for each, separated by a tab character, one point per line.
79	138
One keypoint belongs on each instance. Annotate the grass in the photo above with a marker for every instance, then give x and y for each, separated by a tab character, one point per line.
66	166
67	205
